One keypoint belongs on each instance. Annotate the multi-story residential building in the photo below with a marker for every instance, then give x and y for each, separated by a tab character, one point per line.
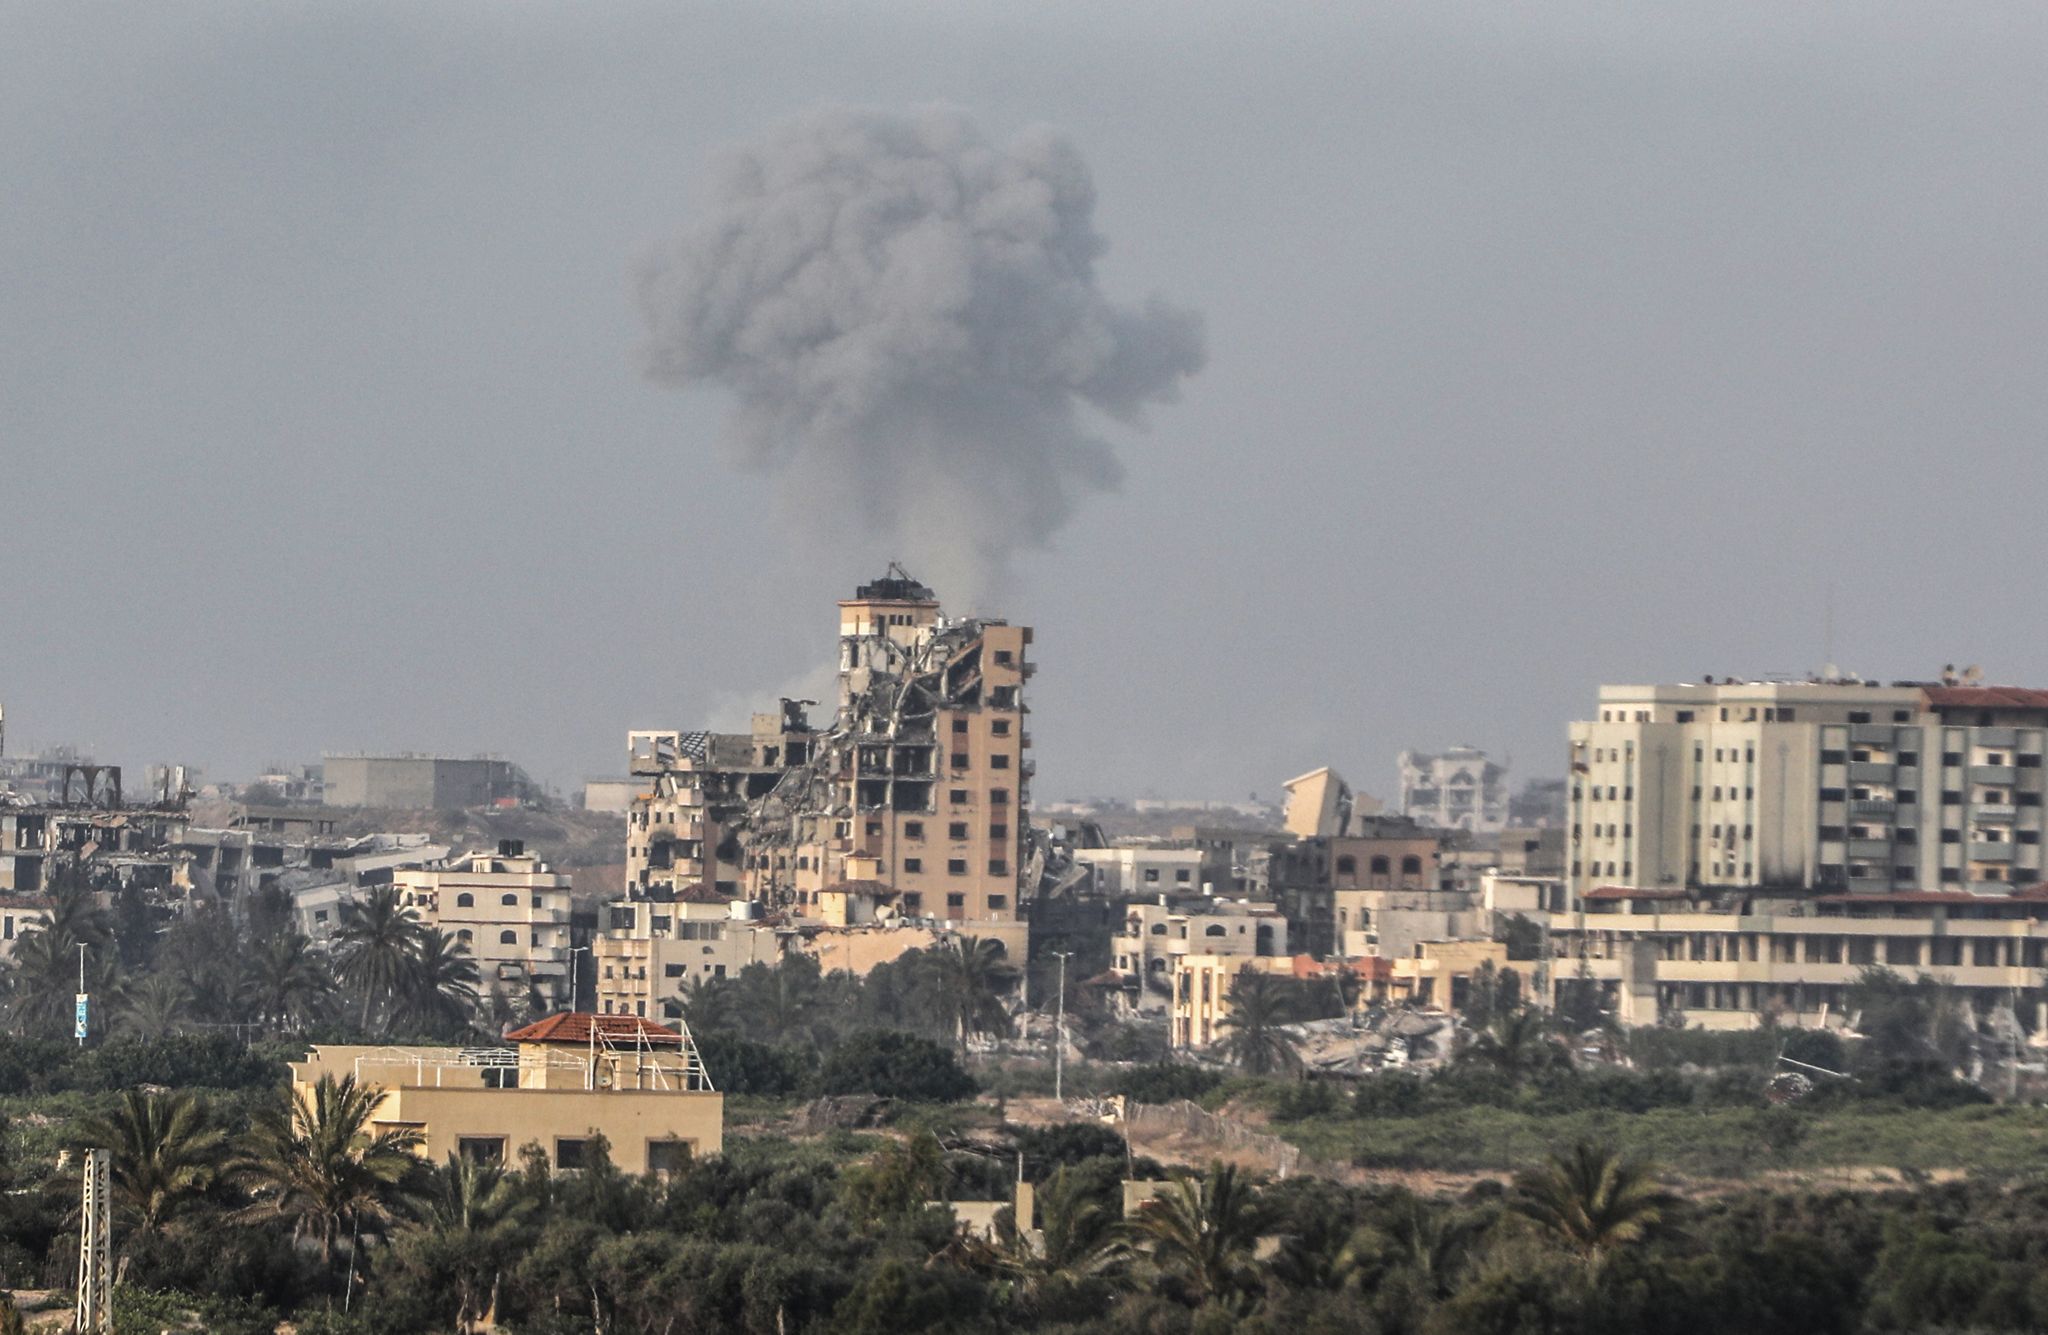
1156	933
1378	853
1742	849
508	908
1120	873
87	834
1808	785
917	791
1458	789
558	1084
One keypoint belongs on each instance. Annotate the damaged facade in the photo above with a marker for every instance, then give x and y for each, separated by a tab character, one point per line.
907	810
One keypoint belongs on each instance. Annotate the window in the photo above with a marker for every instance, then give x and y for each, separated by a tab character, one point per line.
1951	757
1859	716
956	866
998	867
960	725
1004	657
1784	714
999	831
1380	866
1902	716
674	970
1685	716
1151	875
1830	832
913	864
1182	876
1951	797
999	797
1833	758
1411	865
874	829
668	1156
958	797
1000	728
1831	795
465	936
1215	929
957	830
465	900
1346	866
508	937
509	901
956	901
1951	836
999	901
913	829
1909	759
569	1153
481	1149
960	760
999	761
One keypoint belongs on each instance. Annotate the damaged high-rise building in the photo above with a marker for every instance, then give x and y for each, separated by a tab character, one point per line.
908	805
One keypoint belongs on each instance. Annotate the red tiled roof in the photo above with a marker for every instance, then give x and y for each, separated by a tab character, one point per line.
578	1027
699	892
1986	697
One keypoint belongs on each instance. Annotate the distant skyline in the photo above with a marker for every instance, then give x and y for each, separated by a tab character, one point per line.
1546	347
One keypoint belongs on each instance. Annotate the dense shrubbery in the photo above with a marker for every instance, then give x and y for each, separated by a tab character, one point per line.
893	1064
1166	1083
206	1061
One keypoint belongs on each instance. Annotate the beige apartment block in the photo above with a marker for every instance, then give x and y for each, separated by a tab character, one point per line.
1437	975
1787	787
1201	993
1656	956
1155	936
508	908
561	1083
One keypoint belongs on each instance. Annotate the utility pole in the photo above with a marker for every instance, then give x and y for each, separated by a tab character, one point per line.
95	1250
80	1020
1059	1032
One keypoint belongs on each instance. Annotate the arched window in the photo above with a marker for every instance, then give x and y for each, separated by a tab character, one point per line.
1411	865
1159	929
510	901
1380	866
1215	929
465	900
508	938
1347	865
464	936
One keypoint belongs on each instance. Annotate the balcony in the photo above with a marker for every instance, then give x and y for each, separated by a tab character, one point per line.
1872	771
1995	815
2000	852
1999	774
1870	848
1873	806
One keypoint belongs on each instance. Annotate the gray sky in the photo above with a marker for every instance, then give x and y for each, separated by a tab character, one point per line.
1546	346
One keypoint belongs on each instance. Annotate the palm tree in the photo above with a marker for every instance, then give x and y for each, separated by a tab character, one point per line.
45	964
1430	1243
1077	1239
1516	1044
165	1152
473	1207
1202	1236
375	951
315	1161
710	1005
1592	1199
286	982
1259	1004
154	1008
441	989
972	975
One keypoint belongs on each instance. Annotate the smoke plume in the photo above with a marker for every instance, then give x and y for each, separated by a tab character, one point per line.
907	317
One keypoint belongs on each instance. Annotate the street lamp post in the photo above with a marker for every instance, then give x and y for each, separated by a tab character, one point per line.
1059	1032
574	991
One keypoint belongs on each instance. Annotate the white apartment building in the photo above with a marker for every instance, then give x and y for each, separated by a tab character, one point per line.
1791	786
1121	873
1458	789
508	908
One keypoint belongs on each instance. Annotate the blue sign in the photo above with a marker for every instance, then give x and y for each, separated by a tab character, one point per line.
78	1028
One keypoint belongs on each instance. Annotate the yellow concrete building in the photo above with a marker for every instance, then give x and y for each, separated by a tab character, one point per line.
509	909
564	1081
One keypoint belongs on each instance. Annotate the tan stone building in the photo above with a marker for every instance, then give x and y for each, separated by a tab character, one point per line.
508	908
561	1083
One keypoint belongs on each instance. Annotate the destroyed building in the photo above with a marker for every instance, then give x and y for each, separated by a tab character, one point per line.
85	833
908	806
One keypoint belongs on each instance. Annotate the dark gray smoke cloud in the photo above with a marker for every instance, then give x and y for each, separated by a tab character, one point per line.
908	318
